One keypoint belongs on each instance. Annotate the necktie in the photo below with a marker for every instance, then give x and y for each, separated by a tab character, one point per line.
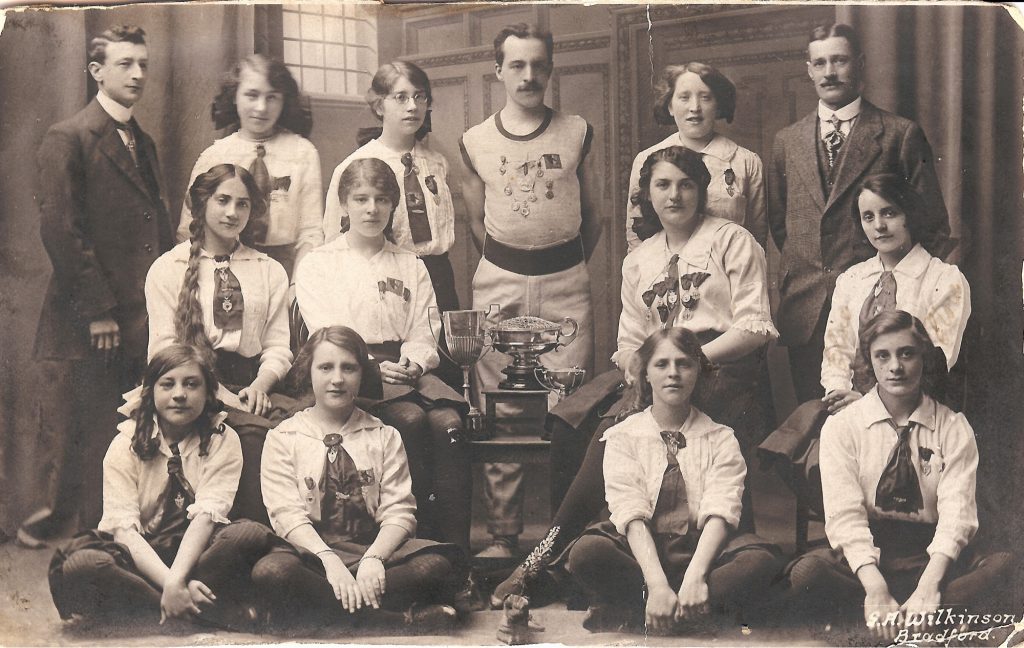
881	299
415	206
898	487
172	519
129	140
228	302
833	142
343	514
671	512
258	226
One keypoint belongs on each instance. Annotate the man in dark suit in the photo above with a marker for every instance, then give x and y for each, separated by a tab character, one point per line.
103	224
816	166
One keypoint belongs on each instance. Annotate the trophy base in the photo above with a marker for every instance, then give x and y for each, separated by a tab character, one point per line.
520	379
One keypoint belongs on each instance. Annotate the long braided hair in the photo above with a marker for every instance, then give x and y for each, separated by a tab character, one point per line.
168	359
188	316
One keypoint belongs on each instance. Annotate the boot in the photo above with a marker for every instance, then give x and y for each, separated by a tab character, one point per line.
535	563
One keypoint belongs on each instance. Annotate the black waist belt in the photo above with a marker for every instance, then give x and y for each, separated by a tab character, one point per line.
543	261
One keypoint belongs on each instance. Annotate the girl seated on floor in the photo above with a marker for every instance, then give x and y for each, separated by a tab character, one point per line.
674	484
164	546
337	487
898	475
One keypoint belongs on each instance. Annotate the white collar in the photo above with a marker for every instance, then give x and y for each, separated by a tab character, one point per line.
303	423
116	111
846	113
720	147
912	265
875	411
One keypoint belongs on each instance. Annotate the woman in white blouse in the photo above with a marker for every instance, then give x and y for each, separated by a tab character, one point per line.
220	295
164	547
898	473
674	482
692	97
700	272
399	96
259	103
363	280
337	487
890	213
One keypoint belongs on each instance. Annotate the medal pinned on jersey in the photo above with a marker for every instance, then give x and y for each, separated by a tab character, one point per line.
730	179
549	194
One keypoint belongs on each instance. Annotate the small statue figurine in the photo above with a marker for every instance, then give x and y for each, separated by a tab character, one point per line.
517	626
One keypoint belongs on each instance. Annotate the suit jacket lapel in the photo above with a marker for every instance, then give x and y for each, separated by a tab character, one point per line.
806	160
110	144
862	148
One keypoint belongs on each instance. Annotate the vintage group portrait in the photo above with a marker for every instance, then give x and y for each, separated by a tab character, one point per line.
512	323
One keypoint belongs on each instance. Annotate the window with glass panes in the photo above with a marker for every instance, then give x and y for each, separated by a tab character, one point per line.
331	49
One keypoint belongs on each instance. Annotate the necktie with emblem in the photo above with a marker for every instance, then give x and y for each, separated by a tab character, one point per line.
834	140
165	530
258	226
672	512
228	302
343	514
129	140
898	488
881	299
415	206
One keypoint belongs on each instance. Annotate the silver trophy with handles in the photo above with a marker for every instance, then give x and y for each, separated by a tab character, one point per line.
467	333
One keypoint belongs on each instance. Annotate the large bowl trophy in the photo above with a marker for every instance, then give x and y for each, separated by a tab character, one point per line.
526	338
466	333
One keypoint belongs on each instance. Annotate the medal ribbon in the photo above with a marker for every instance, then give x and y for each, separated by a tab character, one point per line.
228	303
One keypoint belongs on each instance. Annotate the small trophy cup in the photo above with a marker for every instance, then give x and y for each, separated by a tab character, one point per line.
466	332
561	381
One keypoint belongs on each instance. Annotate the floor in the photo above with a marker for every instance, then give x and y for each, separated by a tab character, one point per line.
27	615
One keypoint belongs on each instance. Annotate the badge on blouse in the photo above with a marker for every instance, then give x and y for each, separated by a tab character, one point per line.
925	455
431	183
730	178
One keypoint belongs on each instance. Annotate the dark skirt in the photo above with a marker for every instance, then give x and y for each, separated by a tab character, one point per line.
792	450
676	551
429	393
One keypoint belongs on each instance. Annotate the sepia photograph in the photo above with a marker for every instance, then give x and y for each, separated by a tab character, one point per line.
512	323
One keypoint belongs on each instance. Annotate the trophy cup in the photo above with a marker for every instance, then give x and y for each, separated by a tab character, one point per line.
561	381
466	333
526	339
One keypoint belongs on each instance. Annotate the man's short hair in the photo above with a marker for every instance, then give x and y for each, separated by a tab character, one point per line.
522	30
838	30
118	34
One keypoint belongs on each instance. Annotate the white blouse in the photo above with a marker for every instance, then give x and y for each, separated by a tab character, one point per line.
264	286
432	173
132	487
384	298
734	295
745	205
294	456
295	200
711	464
855	448
937	293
